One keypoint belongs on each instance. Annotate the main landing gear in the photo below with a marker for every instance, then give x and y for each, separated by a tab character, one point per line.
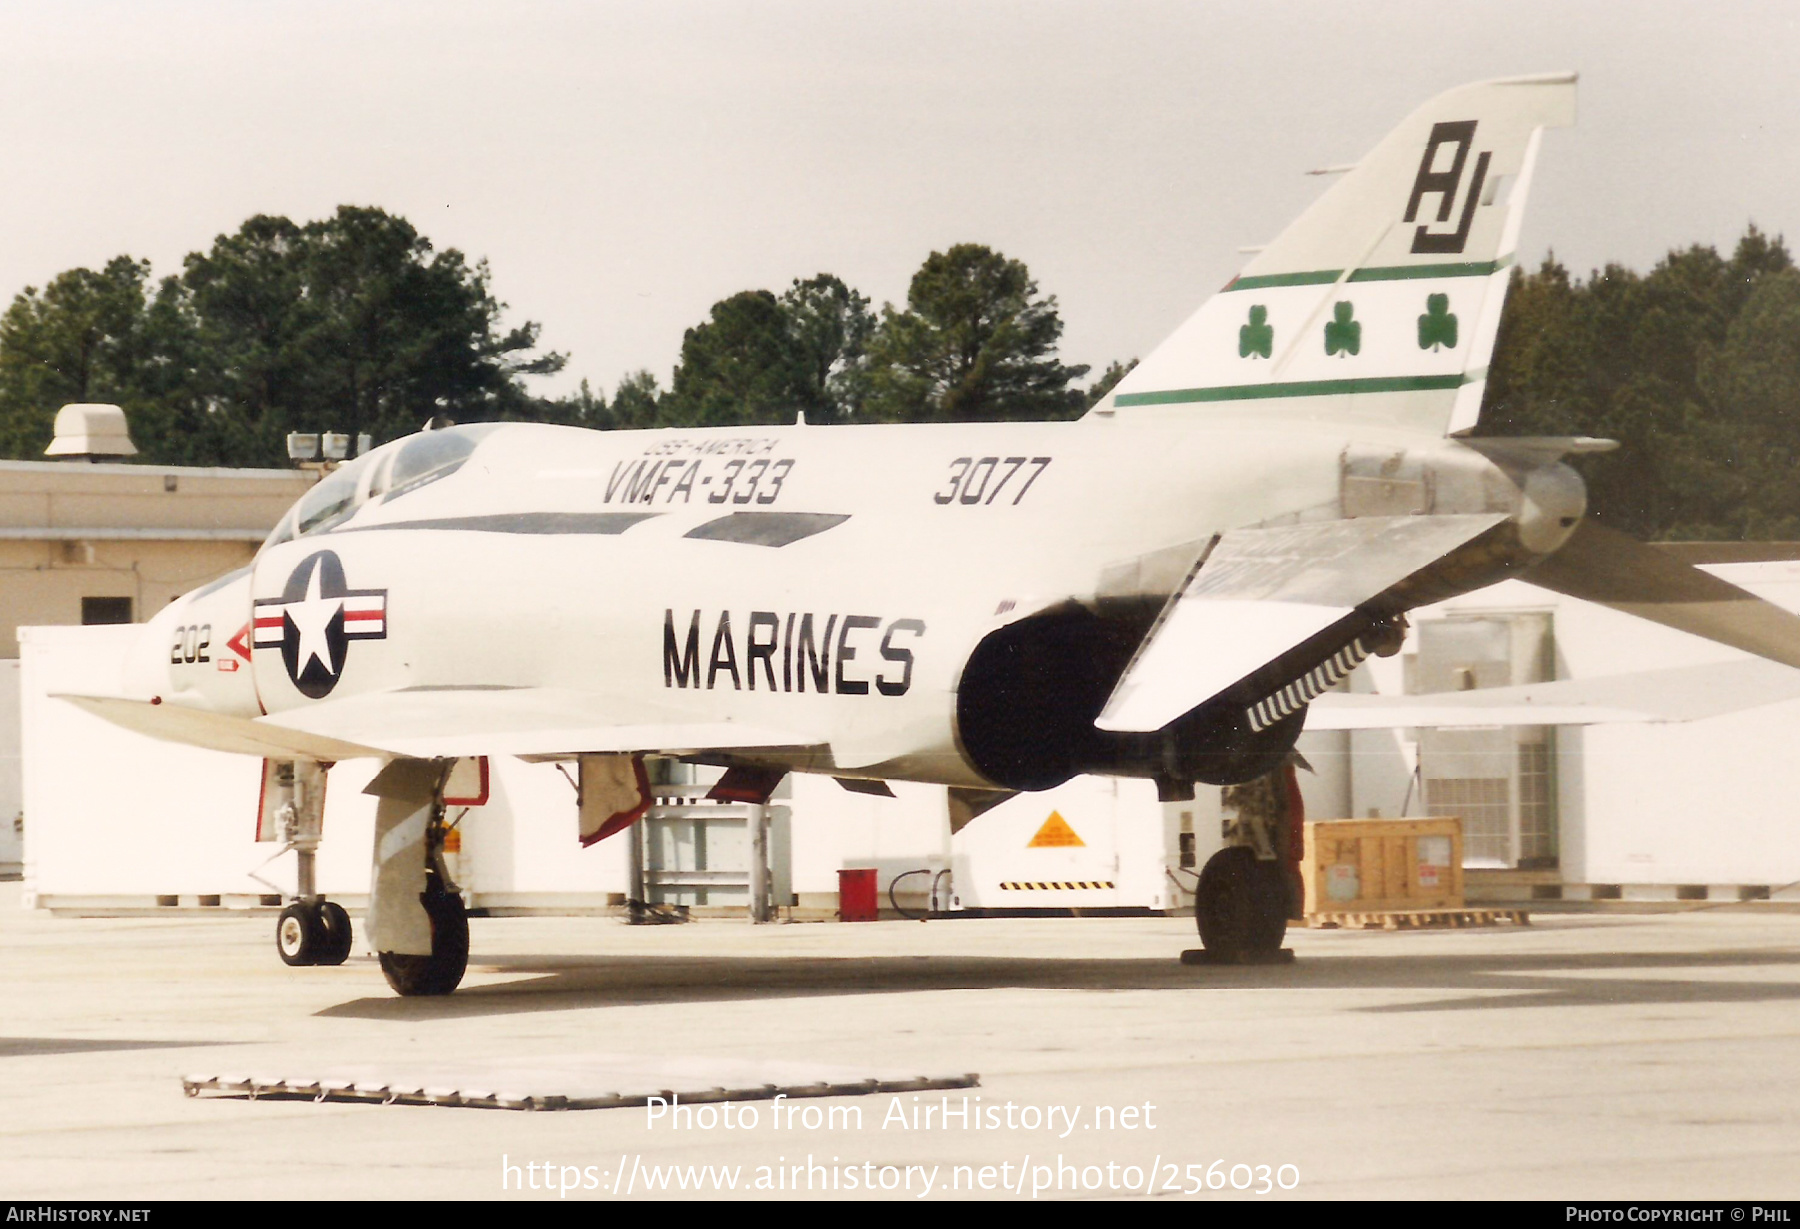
1241	907
417	924
1250	889
442	970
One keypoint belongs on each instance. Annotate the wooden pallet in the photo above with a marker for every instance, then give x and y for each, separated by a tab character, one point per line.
1414	919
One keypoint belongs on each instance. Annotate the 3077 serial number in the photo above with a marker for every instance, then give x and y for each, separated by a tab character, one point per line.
982	480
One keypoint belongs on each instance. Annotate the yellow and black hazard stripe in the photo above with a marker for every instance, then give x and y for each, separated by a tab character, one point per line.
1071	885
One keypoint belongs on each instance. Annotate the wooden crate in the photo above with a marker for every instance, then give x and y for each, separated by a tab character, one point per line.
1369	865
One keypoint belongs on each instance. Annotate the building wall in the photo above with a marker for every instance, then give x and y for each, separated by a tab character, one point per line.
60	495
42	582
147	533
71	530
12	825
1678	803
834	829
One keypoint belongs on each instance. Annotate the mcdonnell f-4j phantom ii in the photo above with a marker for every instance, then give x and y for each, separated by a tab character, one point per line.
1157	590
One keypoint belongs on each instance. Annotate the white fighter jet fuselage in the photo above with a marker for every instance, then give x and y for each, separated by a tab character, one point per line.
836	583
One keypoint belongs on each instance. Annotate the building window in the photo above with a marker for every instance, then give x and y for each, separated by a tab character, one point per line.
1537	826
1500	781
1484	804
105	610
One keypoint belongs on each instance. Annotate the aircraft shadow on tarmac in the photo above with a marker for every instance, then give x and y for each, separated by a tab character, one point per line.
1466	980
38	1047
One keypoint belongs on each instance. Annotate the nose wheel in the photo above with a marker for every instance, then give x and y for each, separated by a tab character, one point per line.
313	932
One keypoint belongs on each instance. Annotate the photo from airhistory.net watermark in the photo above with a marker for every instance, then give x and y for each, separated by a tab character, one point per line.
1057	1166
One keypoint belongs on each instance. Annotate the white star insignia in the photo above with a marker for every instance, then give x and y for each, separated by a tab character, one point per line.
312	615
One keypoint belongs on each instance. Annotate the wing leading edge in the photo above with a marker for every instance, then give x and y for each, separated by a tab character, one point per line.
435	724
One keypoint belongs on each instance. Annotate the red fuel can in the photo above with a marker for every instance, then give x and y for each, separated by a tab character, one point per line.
856	895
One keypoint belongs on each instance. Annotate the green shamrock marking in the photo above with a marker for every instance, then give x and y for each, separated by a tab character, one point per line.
1343	336
1258	337
1437	327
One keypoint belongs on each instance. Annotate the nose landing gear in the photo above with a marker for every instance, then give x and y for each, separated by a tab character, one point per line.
313	931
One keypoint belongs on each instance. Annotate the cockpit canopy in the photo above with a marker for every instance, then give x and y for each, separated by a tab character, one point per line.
385	474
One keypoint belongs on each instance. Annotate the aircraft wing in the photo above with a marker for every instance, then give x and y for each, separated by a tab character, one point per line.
1262	592
1680	693
217	731
433	723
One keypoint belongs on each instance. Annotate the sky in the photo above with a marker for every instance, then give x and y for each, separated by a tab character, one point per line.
623	166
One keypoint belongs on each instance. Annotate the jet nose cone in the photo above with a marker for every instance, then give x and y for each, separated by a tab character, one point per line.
147	664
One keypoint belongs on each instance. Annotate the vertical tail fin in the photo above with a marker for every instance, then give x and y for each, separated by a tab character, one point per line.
1382	301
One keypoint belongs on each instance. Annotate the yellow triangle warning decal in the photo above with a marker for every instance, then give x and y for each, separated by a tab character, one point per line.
1055	833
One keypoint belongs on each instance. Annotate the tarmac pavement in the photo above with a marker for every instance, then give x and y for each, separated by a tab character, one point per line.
1587	1056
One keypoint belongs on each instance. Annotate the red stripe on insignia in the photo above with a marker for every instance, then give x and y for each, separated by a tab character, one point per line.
362	615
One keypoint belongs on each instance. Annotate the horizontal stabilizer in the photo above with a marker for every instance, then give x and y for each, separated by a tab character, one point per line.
1604	566
1681	693
1261	592
1707	554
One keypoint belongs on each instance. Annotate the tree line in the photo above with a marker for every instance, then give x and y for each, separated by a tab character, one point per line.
357	323
1694	367
975	342
350	324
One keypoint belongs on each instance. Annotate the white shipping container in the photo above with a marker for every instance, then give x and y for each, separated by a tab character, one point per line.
117	820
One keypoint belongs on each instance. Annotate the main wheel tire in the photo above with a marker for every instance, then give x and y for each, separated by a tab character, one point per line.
442	971
299	934
336	924
1241	905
